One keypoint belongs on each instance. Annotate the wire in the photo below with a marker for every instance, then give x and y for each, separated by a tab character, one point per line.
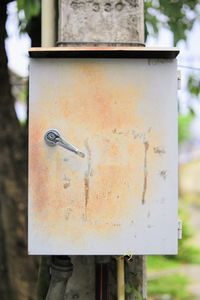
101	282
188	67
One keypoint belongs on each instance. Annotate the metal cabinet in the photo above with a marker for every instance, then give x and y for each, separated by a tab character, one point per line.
103	151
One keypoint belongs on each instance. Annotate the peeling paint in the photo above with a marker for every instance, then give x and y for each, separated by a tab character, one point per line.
141	135
159	150
68	213
146	147
67	182
87	177
163	174
66	185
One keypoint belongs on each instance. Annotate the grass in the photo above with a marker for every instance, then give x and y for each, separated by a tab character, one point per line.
168	283
189	254
173	286
160	263
166	280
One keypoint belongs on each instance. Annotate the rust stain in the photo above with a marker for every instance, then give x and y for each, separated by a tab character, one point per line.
47	192
87	176
111	199
90	108
87	187
96	102
39	172
67	182
114	150
68	213
66	185
146	147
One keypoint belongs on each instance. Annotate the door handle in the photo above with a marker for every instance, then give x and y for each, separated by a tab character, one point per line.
52	138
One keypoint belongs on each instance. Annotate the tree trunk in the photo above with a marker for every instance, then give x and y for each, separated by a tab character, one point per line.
17	270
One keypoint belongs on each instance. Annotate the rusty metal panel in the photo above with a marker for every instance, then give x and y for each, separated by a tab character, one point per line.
121	197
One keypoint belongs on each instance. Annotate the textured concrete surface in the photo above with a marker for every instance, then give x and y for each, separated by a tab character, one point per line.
105	21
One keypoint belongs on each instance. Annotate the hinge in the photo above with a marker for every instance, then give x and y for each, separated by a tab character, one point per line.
179	80
180	229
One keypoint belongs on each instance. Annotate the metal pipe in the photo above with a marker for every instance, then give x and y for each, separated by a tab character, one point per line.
48	23
61	270
120	278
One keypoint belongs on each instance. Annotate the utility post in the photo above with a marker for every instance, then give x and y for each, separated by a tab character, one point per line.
104	197
108	23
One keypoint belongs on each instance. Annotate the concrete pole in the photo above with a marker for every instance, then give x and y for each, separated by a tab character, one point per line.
48	23
102	22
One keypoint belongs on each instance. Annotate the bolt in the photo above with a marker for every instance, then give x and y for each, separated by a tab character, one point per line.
51	136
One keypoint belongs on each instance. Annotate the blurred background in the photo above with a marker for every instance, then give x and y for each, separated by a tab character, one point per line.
167	24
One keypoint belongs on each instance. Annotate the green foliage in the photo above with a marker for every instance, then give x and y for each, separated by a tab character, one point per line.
194	84
31	8
23	94
189	254
27	9
159	262
176	15
184	122
175	286
130	290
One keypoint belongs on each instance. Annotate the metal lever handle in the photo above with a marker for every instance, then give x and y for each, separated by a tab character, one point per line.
52	138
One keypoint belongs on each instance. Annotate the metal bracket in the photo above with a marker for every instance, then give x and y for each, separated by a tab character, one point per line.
180	229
